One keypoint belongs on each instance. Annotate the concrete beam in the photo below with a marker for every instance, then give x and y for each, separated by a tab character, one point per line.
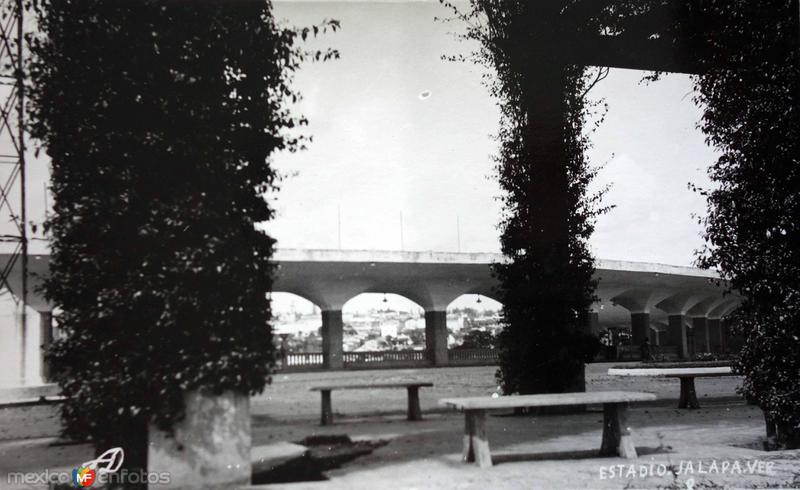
641	299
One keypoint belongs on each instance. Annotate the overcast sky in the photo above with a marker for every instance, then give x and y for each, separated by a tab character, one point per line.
380	150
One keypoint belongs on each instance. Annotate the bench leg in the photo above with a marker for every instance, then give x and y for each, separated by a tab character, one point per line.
617	439
327	408
688	394
414	410
476	443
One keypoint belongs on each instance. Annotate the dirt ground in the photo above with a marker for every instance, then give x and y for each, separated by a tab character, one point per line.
716	446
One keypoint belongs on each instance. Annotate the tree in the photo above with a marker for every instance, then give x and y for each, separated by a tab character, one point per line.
159	119
546	284
478	339
749	91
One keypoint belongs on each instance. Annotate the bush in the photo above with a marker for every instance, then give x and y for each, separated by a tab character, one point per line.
752	117
159	119
478	339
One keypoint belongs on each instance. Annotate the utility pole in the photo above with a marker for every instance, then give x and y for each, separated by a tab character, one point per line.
12	163
458	231
23	213
402	247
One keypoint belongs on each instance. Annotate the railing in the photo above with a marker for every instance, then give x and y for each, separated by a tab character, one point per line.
473	357
301	361
657	352
312	361
385	359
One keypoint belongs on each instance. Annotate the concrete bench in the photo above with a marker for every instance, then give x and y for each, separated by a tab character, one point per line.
617	439
414	411
688	397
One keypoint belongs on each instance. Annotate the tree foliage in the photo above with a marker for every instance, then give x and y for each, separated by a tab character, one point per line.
159	119
478	339
546	284
750	92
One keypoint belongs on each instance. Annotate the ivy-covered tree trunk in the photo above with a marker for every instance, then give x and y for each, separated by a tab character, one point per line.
159	119
546	283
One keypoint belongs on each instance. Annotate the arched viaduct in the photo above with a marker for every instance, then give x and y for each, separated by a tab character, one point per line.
662	302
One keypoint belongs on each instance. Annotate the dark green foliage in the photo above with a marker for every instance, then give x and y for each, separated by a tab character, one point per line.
159	118
752	116
546	284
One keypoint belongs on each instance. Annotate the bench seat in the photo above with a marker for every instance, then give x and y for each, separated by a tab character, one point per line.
616	440
688	396
414	411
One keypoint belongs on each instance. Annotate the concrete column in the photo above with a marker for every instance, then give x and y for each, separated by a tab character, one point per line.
45	339
700	327
436	337
676	335
714	335
655	336
21	324
640	327
332	337
724	335
592	322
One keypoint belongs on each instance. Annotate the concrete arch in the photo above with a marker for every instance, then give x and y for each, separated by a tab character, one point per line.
397	322
492	301
473	315
391	295
300	294
296	330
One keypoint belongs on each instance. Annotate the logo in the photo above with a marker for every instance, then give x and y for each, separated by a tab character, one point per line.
83	477
108	462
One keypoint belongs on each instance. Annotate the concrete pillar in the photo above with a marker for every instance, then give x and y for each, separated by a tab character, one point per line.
724	335
332	337
21	322
700	327
676	335
640	327
45	339
592	324
654	336
714	335
436	337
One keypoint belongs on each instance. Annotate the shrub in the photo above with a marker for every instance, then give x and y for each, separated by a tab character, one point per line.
159	119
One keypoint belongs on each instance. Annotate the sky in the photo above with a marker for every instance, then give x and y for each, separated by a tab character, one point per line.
388	169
